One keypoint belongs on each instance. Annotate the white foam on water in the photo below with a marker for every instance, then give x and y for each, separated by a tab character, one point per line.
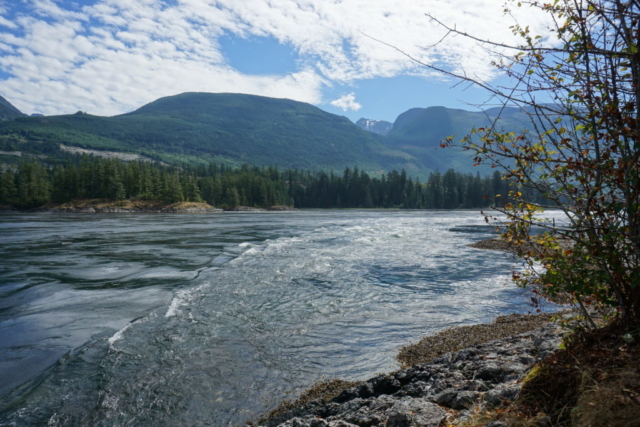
118	335
182	298
277	246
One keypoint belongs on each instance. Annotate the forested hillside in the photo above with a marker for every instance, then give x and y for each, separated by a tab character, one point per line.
233	129
199	128
420	131
33	184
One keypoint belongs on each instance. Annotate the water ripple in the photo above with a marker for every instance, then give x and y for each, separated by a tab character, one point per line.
210	320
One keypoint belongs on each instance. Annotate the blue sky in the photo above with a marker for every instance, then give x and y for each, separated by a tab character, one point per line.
109	57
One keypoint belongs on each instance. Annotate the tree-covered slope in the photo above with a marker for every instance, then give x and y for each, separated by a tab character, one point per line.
228	128
420	131
8	111
234	129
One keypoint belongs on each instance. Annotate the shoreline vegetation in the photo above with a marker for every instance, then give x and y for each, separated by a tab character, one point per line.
518	371
139	206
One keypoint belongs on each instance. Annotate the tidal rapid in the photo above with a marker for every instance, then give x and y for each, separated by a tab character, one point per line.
169	319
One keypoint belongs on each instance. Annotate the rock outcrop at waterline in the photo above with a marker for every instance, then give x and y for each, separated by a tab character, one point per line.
486	375
131	206
140	206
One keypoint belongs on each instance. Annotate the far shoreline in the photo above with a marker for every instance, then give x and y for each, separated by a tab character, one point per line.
137	206
158	206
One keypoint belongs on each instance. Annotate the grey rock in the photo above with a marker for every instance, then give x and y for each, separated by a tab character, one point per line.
409	412
491	372
486	374
416	389
465	399
457	399
502	395
446	397
315	422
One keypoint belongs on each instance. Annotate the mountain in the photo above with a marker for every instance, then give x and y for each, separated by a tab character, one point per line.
8	111
234	129
380	127
420	131
225	128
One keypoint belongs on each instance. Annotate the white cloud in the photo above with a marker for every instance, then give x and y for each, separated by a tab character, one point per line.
6	23
116	55
347	102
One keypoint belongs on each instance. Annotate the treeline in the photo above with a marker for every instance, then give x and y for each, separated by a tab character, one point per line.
32	184
356	189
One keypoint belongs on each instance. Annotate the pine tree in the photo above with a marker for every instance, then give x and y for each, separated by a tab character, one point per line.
232	198
7	187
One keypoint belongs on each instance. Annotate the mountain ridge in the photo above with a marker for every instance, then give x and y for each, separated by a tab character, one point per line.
8	111
223	128
233	129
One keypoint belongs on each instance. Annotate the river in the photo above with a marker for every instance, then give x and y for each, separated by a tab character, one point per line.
164	320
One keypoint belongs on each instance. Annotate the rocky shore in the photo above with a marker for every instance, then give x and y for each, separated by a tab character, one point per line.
131	206
448	378
254	209
140	206
450	389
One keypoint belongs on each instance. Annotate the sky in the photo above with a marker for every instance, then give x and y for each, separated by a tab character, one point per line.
109	57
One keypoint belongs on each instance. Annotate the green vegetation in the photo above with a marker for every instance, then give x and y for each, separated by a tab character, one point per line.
233	129
199	128
32	184
583	153
420	132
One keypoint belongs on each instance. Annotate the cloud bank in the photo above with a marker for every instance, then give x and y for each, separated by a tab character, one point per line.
112	56
347	102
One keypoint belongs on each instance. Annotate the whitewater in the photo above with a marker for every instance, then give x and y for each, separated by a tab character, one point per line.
171	319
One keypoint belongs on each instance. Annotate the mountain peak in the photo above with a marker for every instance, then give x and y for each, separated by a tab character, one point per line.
380	127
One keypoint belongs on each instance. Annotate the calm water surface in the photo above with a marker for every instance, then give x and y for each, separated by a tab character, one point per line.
162	320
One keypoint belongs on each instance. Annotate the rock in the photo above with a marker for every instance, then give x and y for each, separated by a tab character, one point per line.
484	374
496	424
282	208
415	389
466	399
457	399
245	209
315	422
502	395
339	424
409	412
